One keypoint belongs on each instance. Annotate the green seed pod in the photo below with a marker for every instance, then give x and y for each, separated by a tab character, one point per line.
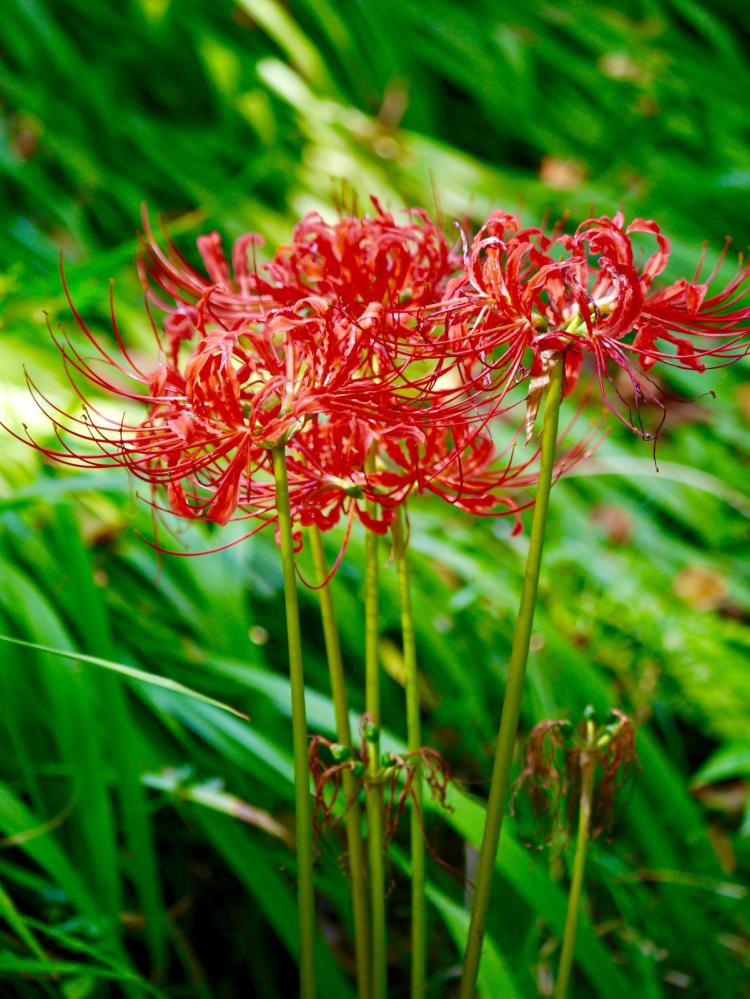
340	753
372	732
386	759
358	769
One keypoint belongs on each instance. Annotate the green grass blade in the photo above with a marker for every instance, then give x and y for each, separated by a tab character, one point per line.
129	672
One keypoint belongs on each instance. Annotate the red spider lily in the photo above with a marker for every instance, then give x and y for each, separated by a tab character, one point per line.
354	266
346	353
222	397
203	438
202	464
370	283
329	476
465	468
359	264
524	293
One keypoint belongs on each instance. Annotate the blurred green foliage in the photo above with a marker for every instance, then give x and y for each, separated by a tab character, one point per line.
143	833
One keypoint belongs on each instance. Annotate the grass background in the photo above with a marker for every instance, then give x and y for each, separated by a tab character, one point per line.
143	833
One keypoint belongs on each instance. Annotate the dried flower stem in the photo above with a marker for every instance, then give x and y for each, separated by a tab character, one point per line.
353	812
375	811
588	766
512	703
414	744
303	816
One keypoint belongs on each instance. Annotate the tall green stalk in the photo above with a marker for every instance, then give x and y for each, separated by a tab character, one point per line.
303	817
512	703
414	743
375	810
588	767
351	788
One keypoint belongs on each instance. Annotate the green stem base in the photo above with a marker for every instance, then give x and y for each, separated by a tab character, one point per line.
354	841
374	798
414	744
588	767
303	816
512	703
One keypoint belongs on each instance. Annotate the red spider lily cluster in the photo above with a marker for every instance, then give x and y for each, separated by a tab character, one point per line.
379	357
524	293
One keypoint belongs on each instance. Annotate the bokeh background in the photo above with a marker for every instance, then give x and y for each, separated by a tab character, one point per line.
143	835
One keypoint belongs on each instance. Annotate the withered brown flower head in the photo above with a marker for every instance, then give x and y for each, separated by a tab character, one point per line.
397	773
557	753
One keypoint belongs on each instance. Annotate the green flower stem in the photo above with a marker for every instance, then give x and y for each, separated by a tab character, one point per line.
414	743
303	817
351	788
375	811
588	766
512	703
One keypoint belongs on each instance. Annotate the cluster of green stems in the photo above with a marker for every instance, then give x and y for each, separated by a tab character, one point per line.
369	920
